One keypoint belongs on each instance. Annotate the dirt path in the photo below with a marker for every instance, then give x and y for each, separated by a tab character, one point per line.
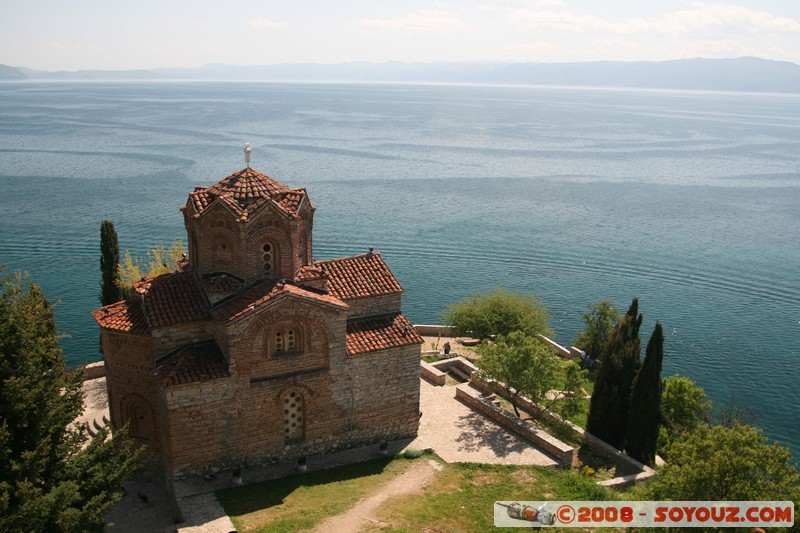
361	516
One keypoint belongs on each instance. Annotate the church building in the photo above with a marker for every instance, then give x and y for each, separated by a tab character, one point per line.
254	352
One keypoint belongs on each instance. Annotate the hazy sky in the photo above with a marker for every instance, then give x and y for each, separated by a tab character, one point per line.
119	34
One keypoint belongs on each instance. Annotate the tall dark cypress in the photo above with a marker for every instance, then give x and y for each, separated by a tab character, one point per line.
619	363
645	413
110	291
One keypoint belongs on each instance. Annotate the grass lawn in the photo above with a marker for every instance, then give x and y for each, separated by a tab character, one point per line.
301	501
460	498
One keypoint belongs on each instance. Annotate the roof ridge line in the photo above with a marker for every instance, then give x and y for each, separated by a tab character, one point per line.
365	254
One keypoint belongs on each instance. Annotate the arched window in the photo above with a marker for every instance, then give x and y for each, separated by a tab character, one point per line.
136	412
286	340
267	258
293	416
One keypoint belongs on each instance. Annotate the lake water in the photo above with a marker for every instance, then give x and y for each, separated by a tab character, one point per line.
688	200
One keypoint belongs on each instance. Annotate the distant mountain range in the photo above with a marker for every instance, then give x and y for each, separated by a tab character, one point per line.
742	74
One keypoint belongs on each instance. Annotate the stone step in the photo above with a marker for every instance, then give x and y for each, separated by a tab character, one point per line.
98	424
458	372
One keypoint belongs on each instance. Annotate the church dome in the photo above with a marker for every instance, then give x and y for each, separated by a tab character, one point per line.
245	192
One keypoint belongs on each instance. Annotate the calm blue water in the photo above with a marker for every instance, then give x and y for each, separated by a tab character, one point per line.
687	200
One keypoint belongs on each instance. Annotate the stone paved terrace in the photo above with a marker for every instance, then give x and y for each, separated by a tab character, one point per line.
458	434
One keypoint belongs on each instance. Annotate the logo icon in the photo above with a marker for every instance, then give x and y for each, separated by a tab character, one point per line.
565	514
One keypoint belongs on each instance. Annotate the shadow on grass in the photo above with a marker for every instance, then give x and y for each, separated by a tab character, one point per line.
591	458
239	501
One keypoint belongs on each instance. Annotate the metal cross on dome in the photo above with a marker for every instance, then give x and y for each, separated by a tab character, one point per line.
247	151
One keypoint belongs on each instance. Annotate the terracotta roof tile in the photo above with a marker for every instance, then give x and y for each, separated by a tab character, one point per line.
155	302
310	273
126	316
246	192
192	363
171	299
263	292
359	276
292	199
380	333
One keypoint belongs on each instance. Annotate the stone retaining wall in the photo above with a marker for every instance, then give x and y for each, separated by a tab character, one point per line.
598	445
432	374
430	330
94	370
458	362
560	350
436	372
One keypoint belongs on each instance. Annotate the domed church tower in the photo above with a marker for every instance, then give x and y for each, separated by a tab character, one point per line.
247	227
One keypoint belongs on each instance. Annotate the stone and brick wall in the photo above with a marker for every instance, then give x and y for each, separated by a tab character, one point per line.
215	243
169	338
218	243
319	336
374	305
278	233
386	392
358	400
129	361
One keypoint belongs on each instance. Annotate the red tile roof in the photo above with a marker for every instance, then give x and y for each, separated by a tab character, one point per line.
310	273
126	316
380	333
359	276
266	291
192	363
172	299
246	192
155	302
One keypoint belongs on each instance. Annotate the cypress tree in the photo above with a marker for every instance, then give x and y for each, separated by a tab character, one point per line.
619	363
110	290
645	413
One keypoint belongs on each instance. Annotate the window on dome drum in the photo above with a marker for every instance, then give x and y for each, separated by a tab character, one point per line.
286	341
293	426
267	258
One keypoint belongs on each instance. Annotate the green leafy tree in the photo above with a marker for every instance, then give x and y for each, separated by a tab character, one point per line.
498	312
644	417
524	365
570	399
600	321
683	408
52	478
160	260
110	291
619	364
733	464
